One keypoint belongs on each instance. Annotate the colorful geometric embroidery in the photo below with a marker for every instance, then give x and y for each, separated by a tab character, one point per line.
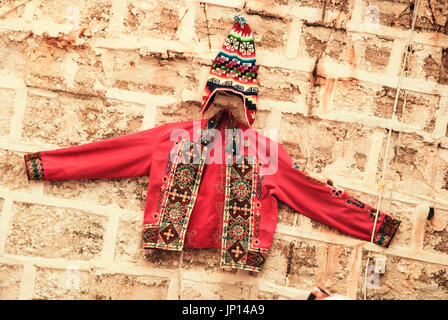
259	184
386	231
150	234
169	233
239	216
241	189
256	258
234	70
238	228
241	221
34	167
178	199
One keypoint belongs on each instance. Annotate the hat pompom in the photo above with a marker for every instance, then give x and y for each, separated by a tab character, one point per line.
240	19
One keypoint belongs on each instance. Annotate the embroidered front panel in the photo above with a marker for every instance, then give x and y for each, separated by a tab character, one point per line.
240	214
34	167
178	199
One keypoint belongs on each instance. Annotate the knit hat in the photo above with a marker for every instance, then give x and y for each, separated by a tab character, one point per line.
234	70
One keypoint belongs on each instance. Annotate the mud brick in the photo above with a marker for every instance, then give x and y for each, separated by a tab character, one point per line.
129	193
432	16
10	277
269	8
340	45
428	63
295	151
327	146
277	262
359	51
202	259
219	291
262	121
339	5
307	263
399	14
69	120
436	232
190	110
283	85
117	286
355	96
92	16
7	102
168	76
13	171
420	110
338	265
388	13
283	8
129	246
155	19
323	229
266	295
11	60
7	6
220	22
442	174
269	33
42	63
50	232
60	284
409	165
372	53
286	215
376	100
407	279
46	63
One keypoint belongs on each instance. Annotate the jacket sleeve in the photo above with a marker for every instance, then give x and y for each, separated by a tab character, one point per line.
326	204
120	157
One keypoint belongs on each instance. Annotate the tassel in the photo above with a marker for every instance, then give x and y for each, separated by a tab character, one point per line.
240	19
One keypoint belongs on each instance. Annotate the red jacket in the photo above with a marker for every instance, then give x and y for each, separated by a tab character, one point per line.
200	197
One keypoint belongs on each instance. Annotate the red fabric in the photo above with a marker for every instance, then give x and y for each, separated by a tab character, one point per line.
318	202
146	153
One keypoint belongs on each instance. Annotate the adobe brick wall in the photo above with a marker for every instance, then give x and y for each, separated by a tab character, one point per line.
127	67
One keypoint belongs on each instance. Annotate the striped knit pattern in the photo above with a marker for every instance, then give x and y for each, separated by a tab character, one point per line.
234	70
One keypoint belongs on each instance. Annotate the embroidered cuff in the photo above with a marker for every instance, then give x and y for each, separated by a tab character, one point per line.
387	231
34	167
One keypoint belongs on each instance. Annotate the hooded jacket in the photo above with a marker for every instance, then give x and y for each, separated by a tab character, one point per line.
213	183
